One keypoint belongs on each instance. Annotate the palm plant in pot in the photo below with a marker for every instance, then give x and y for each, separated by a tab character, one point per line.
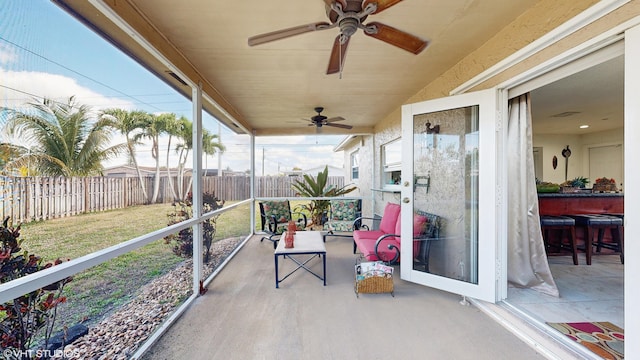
317	187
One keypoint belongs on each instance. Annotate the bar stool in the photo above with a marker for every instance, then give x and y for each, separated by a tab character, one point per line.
562	223
618	245
593	222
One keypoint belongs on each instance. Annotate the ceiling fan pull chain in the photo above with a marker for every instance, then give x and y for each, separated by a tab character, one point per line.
340	57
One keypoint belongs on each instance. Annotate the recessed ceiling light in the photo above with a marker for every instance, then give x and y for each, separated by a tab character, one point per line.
584	126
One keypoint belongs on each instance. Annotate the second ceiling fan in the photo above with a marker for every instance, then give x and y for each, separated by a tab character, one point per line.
320	120
349	16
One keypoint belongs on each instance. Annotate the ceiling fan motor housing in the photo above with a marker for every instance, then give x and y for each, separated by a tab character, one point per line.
349	26
352	10
319	119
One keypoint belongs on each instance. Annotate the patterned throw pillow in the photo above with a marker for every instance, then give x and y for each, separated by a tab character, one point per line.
344	210
279	209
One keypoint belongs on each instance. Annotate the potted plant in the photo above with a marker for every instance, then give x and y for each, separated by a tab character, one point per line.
317	187
574	185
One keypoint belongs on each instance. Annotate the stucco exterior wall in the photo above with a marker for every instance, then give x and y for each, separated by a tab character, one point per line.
540	19
619	16
536	22
364	145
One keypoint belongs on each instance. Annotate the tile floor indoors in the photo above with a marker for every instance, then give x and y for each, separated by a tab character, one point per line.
587	293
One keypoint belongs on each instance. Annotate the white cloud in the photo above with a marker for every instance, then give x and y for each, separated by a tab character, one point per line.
18	88
286	152
8	54
21	87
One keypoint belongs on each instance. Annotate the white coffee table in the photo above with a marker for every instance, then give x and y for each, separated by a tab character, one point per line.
305	243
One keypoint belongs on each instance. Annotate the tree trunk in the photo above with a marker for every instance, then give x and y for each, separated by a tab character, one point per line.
169	178
156	181
135	163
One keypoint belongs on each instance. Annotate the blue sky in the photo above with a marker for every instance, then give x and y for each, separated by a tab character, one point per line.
44	52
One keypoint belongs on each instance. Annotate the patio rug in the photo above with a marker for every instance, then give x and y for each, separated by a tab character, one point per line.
601	338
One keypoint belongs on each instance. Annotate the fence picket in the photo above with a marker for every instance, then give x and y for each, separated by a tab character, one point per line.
26	199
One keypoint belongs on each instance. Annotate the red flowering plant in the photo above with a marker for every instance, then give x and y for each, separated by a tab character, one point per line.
605	181
31	316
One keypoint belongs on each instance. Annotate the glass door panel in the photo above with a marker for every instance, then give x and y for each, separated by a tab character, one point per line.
445	156
449	141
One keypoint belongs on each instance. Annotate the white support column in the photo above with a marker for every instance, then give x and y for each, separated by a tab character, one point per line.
197	185
631	193
219	152
252	181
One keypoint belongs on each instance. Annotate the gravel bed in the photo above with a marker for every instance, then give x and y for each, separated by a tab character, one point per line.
120	334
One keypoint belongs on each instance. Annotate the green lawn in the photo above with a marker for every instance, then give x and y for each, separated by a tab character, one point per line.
102	288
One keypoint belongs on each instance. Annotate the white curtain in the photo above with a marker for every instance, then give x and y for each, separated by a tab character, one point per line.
528	266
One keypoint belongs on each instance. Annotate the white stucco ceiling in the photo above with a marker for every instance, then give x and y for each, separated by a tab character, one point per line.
271	87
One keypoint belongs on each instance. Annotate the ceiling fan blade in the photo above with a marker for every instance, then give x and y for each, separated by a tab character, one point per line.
338	53
285	33
382	4
337	118
342	126
395	37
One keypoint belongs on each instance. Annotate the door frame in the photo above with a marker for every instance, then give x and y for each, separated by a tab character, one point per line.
485	289
629	31
632	175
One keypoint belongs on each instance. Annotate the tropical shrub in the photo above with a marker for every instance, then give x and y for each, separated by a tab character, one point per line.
30	316
317	187
183	210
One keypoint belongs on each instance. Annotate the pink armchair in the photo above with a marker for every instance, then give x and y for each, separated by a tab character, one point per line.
383	244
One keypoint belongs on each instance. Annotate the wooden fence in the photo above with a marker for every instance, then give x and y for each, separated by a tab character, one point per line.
26	199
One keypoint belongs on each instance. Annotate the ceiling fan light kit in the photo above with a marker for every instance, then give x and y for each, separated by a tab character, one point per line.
320	120
348	16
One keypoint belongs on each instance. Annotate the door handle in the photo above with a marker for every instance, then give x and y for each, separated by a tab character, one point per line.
406	200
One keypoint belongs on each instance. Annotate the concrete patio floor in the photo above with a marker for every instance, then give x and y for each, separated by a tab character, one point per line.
243	316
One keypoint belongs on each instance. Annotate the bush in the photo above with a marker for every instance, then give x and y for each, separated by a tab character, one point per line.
23	319
183	240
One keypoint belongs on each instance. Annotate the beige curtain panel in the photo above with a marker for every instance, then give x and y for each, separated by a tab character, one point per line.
527	261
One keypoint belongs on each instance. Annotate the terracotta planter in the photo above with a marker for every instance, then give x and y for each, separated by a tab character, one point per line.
288	240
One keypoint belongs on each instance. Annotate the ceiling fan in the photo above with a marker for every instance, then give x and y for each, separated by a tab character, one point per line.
349	16
320	120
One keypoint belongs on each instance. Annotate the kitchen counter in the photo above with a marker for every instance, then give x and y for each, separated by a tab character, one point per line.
580	203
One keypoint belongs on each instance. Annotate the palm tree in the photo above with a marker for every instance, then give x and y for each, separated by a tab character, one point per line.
131	124
209	147
63	139
154	128
8	153
172	128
